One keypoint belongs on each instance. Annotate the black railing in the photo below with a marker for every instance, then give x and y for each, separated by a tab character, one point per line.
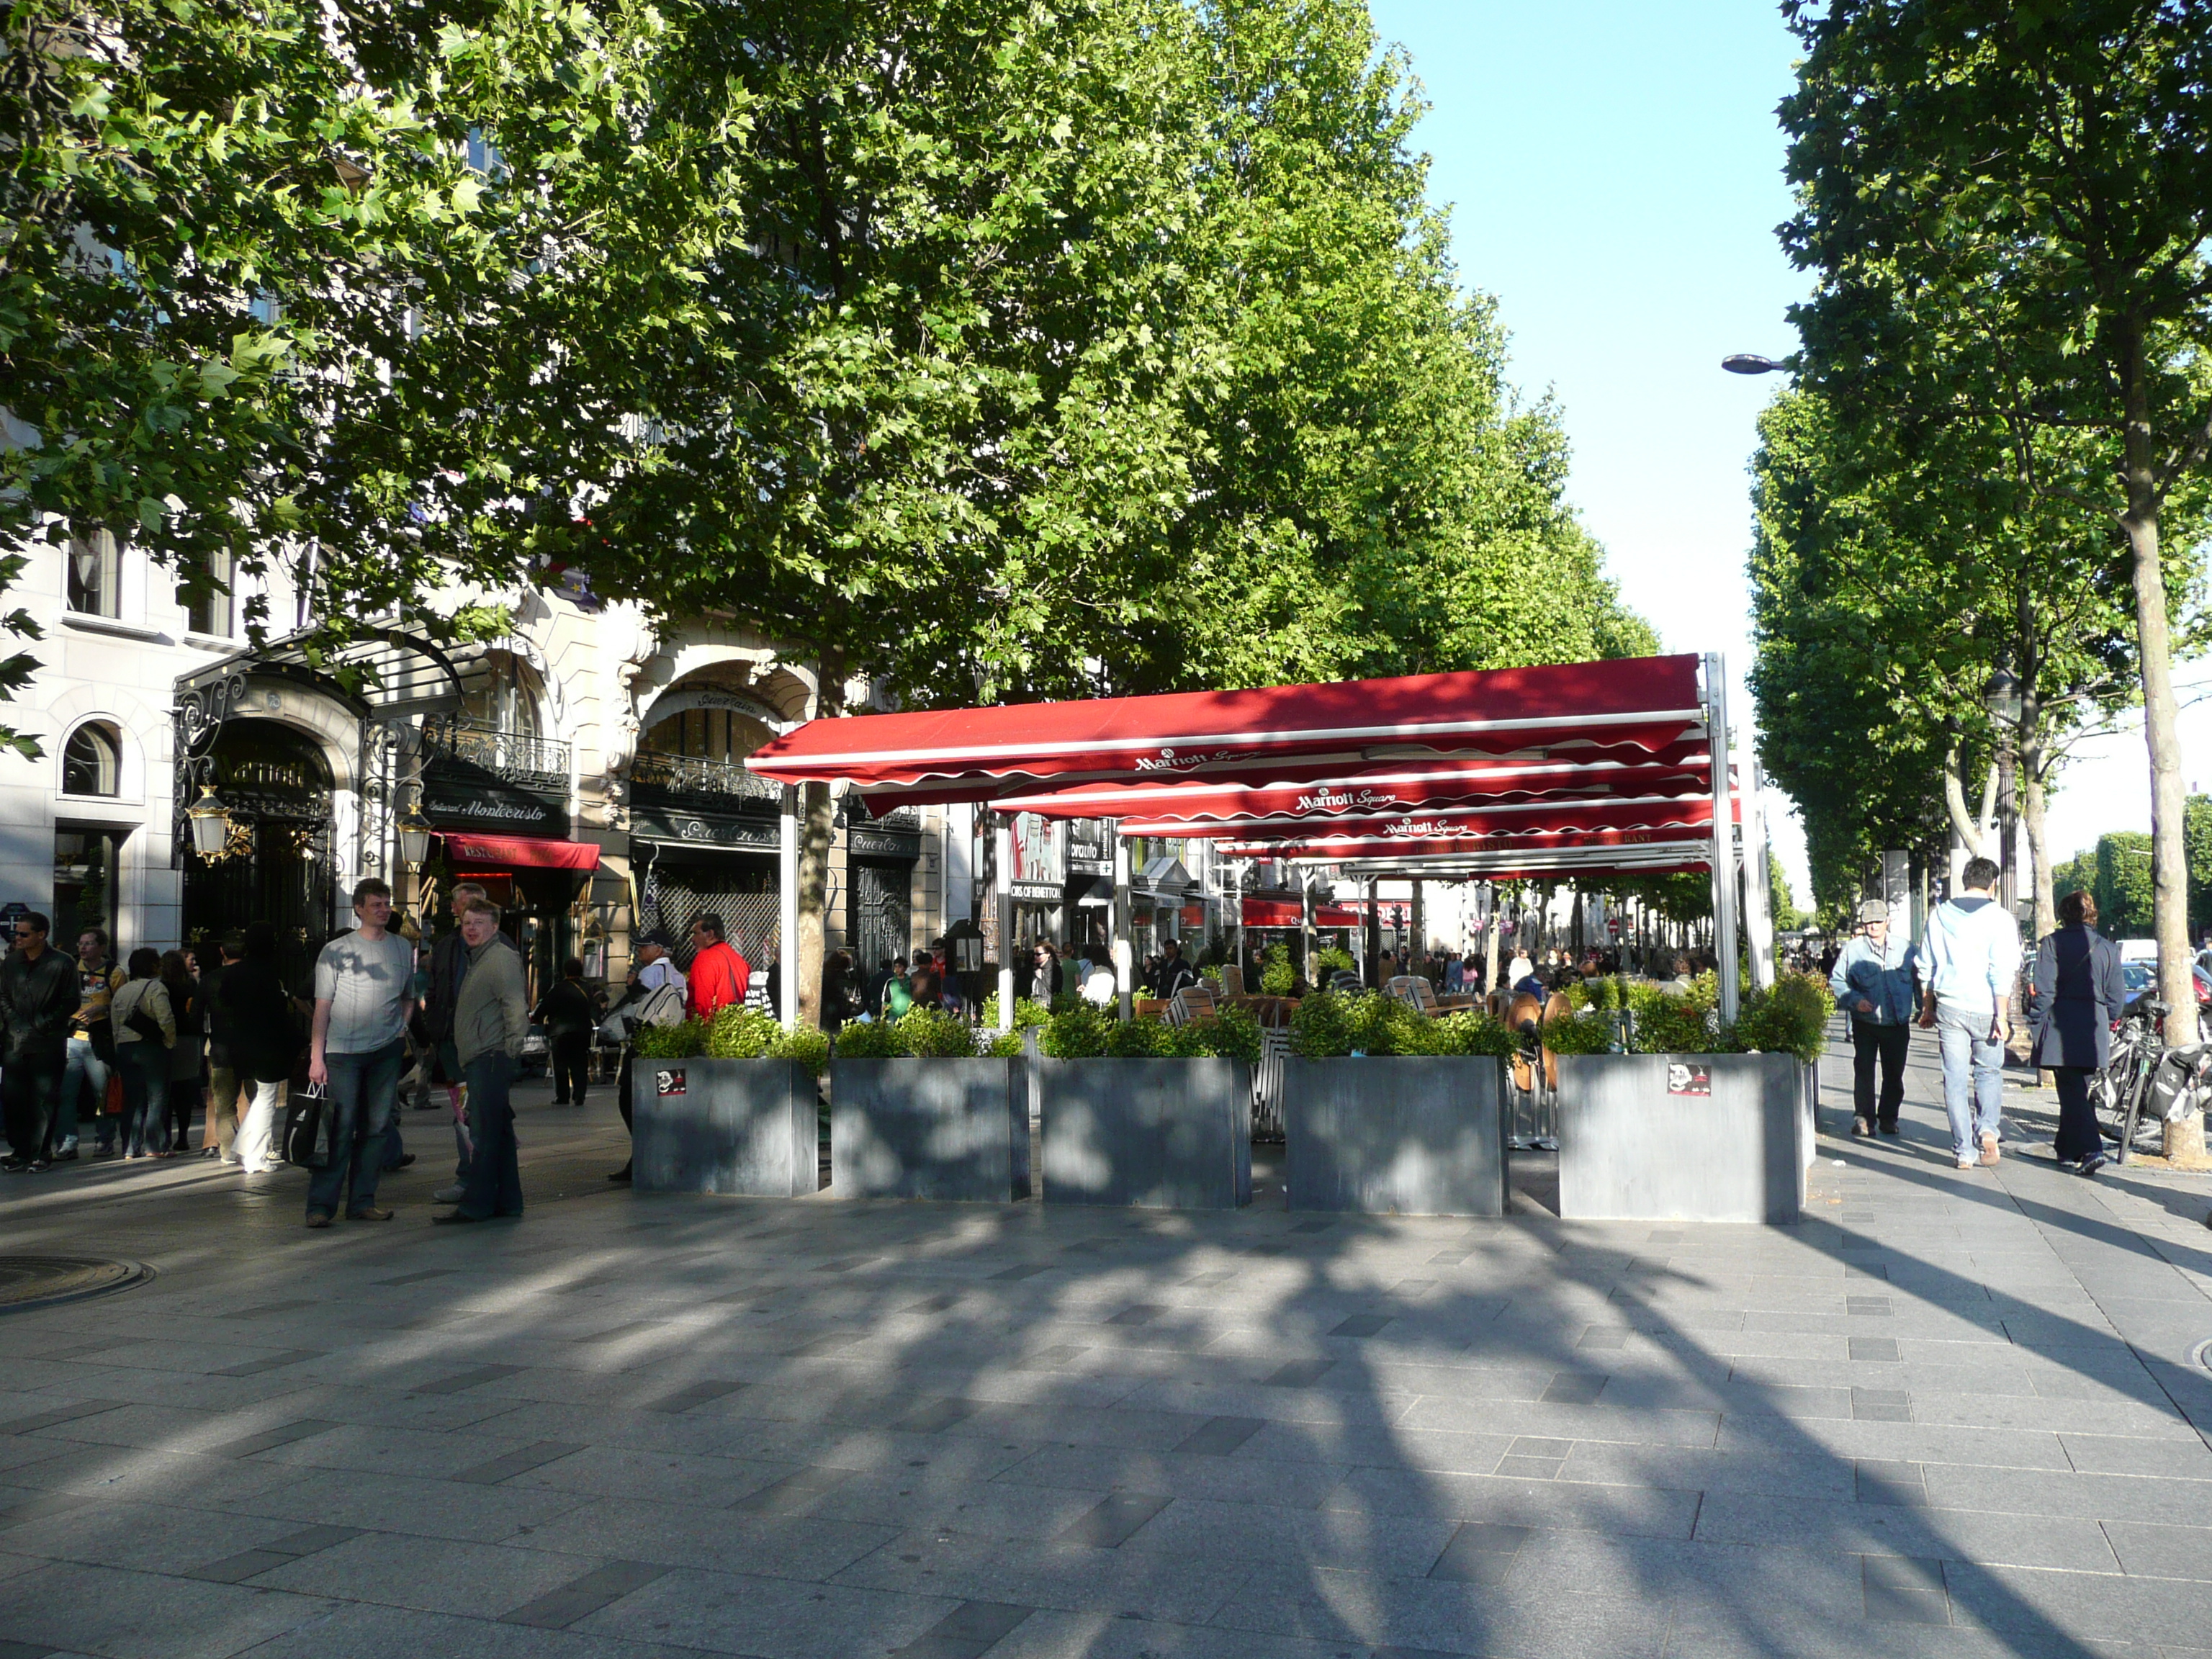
515	757
692	775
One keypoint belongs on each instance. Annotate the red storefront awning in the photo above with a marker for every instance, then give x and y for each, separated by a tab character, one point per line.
1326	791
1647	704
1286	913
518	852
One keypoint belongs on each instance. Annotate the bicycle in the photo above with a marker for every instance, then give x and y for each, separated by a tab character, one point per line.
2117	1091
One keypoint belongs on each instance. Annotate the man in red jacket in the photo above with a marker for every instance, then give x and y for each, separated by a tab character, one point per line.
718	974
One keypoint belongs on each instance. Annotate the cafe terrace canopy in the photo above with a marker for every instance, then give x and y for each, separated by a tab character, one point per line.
1572	751
1640	707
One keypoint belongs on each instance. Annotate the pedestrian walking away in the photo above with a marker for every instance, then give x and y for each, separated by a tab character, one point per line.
91	1049
188	1056
2078	992
145	1031
1969	958
491	1016
219	1136
364	991
1872	979
569	1019
258	1029
39	998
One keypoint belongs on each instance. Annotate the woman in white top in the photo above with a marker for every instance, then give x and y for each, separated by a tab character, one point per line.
145	1027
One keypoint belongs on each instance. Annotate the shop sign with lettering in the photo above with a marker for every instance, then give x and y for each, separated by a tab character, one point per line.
1040	849
458	796
702	829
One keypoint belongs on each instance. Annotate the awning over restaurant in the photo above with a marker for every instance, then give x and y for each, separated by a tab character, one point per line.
469	852
1647	705
1287	913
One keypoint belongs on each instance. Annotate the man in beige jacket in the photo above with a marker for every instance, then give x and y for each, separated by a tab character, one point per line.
491	1014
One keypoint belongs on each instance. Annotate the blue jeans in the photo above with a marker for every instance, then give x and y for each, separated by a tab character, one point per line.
1973	1076
363	1094
84	1065
494	1186
145	1067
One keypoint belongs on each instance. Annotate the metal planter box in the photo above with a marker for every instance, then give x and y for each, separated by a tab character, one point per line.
1174	1135
1396	1134
742	1127
950	1129
1682	1137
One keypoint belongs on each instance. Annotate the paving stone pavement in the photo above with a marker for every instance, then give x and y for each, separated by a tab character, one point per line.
1950	1414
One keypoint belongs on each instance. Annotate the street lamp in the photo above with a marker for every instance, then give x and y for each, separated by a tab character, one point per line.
414	832
211	822
1750	363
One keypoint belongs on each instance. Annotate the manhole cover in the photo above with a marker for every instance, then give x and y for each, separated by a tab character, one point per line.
40	1281
2203	1355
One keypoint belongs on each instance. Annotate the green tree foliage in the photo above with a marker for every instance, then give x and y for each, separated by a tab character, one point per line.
2007	205
991	348
2123	885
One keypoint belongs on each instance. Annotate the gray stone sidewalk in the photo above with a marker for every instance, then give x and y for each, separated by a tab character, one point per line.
1951	1414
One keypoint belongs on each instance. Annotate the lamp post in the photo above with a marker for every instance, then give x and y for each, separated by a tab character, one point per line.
210	822
2001	698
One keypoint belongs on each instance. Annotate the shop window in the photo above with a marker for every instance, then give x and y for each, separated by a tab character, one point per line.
95	576
710	734
92	761
84	884
210	610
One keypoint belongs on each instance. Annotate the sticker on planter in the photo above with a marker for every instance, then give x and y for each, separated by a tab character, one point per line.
669	1081
1682	1079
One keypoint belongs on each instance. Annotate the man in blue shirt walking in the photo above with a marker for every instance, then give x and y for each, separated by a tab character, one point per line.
1873	983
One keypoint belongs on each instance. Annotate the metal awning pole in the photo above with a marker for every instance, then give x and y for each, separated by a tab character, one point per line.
1002	869
1724	838
1124	978
787	906
1758	896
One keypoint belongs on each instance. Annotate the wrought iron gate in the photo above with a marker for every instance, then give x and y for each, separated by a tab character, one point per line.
881	921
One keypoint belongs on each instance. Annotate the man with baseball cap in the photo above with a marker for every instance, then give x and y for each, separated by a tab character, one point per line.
1873	983
655	971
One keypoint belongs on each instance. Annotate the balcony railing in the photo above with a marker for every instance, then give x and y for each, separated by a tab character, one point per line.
690	774
527	762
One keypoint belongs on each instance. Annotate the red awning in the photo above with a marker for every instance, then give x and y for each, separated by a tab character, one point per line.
518	852
1521	818
1285	913
1326	791
1647	703
1563	843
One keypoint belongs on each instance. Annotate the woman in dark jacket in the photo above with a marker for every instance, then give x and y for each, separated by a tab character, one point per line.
263	1042
2078	993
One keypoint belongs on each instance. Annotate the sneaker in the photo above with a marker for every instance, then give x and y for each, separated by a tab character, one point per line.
1989	1150
1966	1163
39	1166
448	1194
319	1219
15	1165
67	1155
2091	1165
1860	1130
368	1212
1890	1130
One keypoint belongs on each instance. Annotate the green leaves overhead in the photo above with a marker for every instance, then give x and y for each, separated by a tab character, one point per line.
990	348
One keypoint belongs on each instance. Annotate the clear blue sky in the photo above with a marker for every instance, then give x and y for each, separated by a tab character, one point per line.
1614	173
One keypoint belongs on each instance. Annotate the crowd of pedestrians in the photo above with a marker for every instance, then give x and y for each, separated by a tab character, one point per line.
135	1053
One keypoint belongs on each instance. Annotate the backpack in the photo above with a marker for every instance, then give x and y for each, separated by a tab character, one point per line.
661	1006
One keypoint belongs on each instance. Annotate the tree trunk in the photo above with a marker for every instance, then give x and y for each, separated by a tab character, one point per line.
2161	735
803	967
2038	847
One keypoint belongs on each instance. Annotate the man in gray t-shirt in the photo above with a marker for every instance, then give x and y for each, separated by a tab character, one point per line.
364	993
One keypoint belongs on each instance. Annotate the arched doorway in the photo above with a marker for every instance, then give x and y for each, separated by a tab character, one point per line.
276	866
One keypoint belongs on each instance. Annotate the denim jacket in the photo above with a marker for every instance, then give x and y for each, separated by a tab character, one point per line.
1885	979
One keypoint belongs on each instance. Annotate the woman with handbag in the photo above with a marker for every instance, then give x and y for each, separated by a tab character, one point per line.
145	1031
2078	991
263	1042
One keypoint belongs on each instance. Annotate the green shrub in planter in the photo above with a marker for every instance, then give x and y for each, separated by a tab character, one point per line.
741	1033
1579	1034
1333	959
679	1042
1332	1024
1791	1017
1276	974
1088	1033
1027	1012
